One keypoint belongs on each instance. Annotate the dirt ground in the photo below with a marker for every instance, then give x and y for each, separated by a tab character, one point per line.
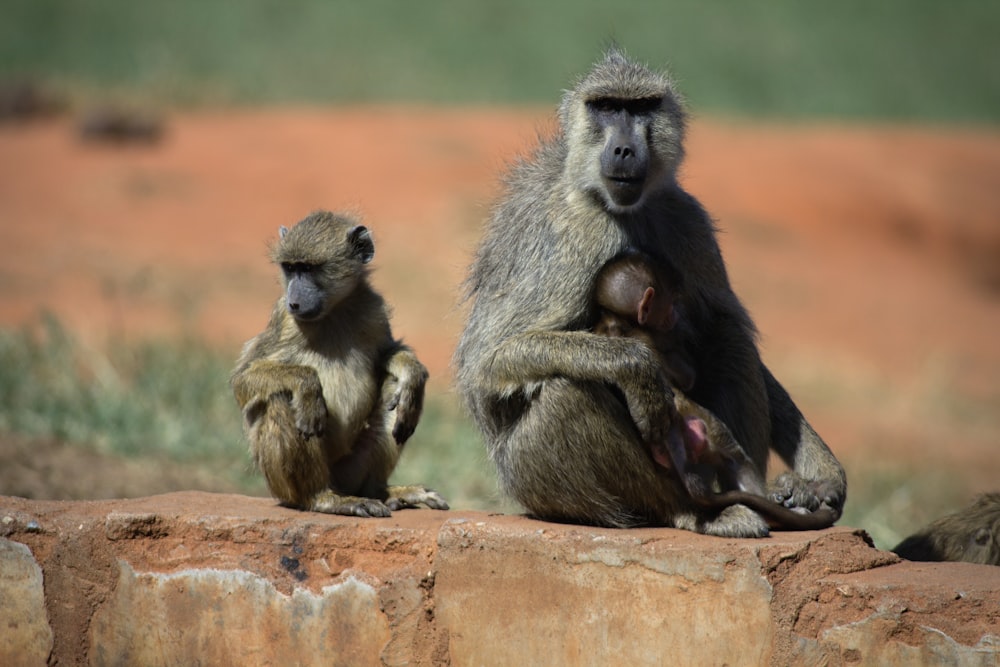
869	256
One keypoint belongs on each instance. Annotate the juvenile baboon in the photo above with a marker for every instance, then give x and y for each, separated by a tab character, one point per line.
635	296
569	416
328	395
971	534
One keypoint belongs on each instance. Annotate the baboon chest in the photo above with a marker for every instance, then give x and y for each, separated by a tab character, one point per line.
350	389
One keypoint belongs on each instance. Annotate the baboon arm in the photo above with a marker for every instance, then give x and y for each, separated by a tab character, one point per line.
525	360
403	391
537	356
262	379
817	479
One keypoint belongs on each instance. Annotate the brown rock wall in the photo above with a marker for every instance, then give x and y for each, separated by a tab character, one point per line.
198	578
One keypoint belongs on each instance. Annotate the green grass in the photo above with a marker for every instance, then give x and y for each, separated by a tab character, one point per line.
167	399
893	501
893	59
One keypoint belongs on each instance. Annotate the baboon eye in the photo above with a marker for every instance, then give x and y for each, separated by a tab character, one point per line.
297	267
637	106
605	105
644	105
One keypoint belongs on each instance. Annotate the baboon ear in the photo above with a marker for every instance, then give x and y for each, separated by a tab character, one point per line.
282	230
361	243
645	305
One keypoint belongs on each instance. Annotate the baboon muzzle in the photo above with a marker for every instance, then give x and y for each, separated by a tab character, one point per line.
624	160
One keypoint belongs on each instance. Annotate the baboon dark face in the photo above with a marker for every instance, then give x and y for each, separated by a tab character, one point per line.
321	261
624	124
304	298
624	127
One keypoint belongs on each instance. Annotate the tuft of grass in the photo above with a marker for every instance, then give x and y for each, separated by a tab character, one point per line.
131	399
892	502
895	59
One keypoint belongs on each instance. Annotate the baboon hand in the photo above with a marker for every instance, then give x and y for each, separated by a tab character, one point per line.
408	405
408	402
792	490
652	410
310	408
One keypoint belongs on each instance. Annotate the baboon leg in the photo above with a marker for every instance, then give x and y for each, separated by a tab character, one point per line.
817	480
605	474
733	521
294	465
592	469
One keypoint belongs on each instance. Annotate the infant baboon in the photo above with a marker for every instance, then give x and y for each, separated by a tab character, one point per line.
328	395
569	416
971	535
636	296
639	297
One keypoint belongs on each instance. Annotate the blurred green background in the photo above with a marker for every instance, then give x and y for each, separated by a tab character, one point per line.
894	60
898	59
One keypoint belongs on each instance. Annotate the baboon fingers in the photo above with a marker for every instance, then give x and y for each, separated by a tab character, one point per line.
792	490
406	497
331	503
652	415
367	509
310	408
402	431
407	404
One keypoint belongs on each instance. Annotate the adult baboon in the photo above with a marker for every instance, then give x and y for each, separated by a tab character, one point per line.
971	534
569	416
328	395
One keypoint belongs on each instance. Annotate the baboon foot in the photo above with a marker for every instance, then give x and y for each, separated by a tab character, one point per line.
792	490
733	521
408	497
331	503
